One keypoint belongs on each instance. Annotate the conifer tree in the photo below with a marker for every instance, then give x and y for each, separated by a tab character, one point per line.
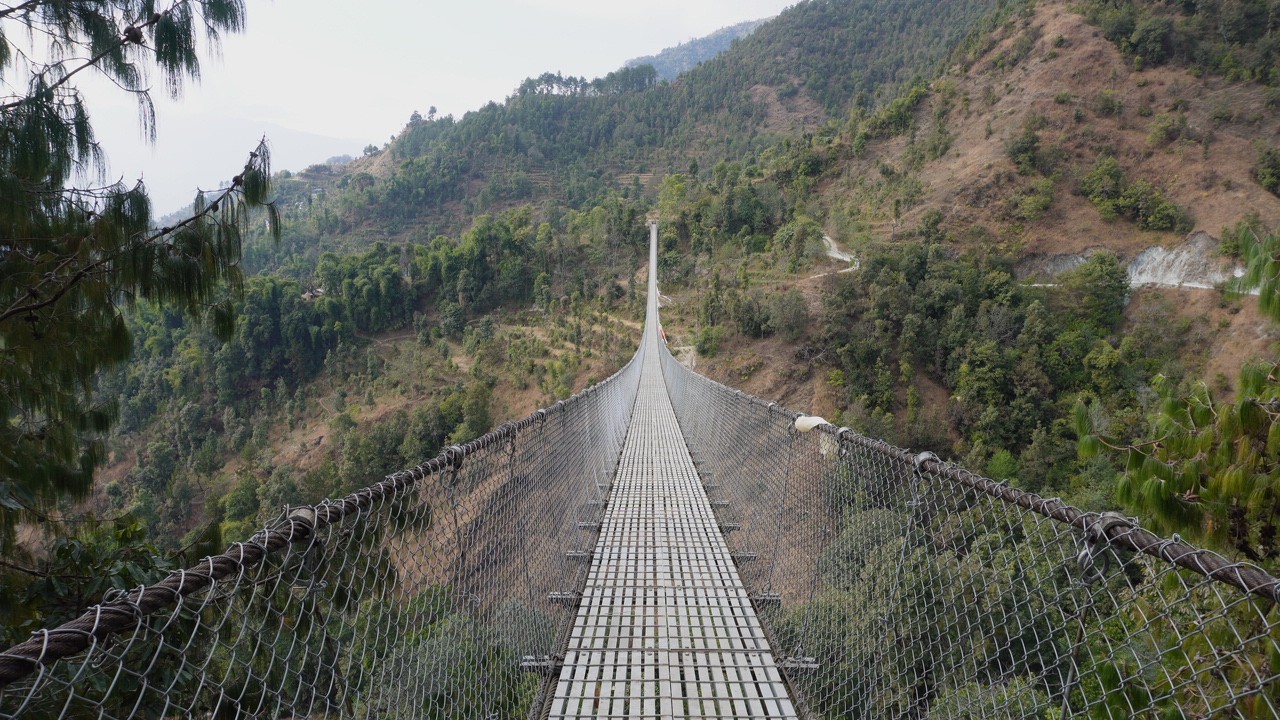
1209	467
76	250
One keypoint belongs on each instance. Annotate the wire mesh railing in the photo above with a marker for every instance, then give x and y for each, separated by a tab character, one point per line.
891	585
433	594
899	586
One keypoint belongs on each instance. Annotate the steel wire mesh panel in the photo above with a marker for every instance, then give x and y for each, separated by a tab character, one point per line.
430	595
897	586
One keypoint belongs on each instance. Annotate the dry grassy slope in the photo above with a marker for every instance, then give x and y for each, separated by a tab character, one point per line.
411	376
975	183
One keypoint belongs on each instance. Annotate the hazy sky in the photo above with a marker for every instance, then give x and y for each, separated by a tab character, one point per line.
322	78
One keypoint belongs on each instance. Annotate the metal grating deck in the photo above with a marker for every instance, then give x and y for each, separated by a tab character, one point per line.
665	628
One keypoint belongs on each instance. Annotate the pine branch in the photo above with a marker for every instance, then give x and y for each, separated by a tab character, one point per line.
132	34
23	570
42	574
1138	448
23	7
87	271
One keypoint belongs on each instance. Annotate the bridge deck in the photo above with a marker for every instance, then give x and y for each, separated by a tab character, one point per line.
665	628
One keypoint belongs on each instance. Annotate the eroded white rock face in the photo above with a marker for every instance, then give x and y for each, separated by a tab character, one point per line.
1042	270
1196	263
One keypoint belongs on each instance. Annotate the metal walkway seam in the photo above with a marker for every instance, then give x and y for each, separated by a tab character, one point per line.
665	628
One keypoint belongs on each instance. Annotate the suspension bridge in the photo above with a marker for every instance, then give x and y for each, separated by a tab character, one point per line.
662	546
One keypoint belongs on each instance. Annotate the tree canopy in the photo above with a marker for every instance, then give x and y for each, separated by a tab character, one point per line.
74	249
1207	465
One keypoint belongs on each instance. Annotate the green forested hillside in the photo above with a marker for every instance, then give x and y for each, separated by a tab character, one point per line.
673	62
569	141
476	268
397	264
1233	39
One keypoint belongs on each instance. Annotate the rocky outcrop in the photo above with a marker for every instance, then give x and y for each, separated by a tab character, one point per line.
1196	263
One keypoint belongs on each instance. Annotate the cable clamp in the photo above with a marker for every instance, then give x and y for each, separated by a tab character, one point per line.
1096	544
924	457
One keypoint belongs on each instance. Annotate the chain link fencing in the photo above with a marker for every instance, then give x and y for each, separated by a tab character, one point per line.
437	593
897	586
892	585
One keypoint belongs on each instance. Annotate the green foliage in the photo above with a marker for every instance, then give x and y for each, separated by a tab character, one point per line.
1002	465
75	573
731	208
78	251
1262	271
1105	185
374	292
1267	168
452	321
960	582
1031	204
789	315
1011	359
862	533
751	316
1152	40
1211	469
1238	236
1108	104
476	420
898	115
1205	466
1115	196
1231	39
793	240
1096	292
489	684
201	389
708	340
1024	151
1167	128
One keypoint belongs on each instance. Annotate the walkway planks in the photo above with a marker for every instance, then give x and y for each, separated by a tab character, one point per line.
665	628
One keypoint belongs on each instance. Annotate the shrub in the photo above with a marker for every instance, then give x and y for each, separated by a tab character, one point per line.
1024	151
1167	128
1108	103
1118	23
1111	192
789	315
1153	40
1267	169
1037	200
898	115
708	341
1235	238
1104	185
1152	210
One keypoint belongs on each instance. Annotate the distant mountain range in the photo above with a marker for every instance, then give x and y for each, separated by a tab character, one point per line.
672	62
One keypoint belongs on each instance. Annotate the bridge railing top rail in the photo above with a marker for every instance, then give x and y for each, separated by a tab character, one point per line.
1112	528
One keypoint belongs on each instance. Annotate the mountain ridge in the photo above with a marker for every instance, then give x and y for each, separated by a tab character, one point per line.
483	266
674	61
